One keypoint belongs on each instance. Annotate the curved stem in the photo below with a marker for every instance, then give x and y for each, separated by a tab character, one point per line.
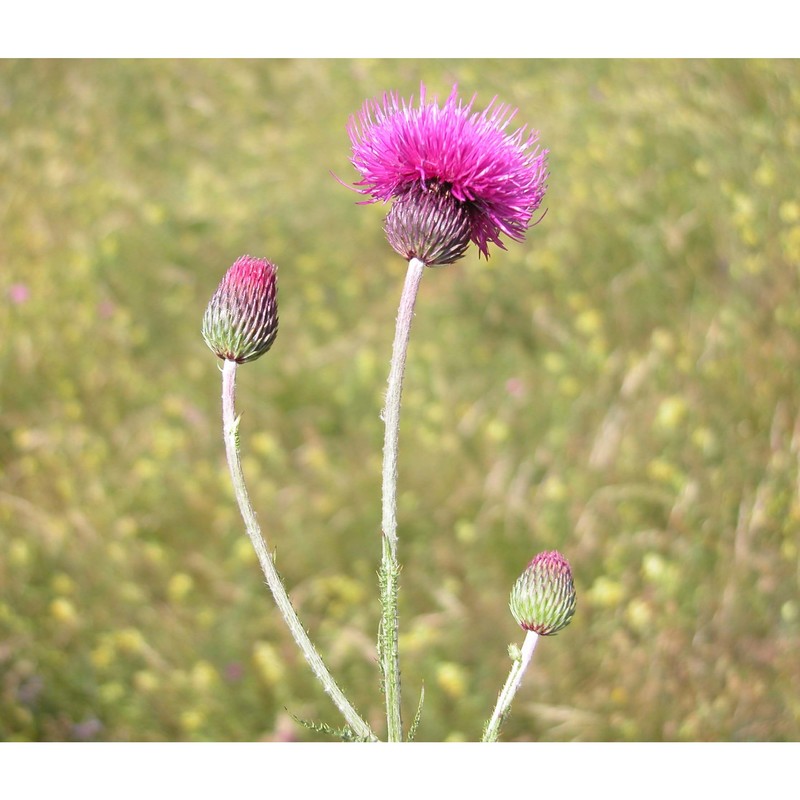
230	425
390	567
513	682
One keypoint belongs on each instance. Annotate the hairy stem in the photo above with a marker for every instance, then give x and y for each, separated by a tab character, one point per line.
230	424
390	567
513	682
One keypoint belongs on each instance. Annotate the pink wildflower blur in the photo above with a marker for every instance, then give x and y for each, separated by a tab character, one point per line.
499	177
18	293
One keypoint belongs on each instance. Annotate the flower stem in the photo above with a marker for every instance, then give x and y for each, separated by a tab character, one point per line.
230	424
513	682
390	567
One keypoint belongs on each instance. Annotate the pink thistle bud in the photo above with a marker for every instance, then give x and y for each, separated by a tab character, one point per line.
241	321
543	598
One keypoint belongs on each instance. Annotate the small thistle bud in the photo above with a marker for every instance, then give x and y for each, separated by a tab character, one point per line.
241	321
543	598
430	225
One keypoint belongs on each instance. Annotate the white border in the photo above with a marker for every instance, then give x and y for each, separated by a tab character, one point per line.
403	29
621	771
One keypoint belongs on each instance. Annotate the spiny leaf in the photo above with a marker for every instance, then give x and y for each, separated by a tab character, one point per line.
412	731
344	733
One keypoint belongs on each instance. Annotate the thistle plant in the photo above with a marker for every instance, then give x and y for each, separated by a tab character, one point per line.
453	176
240	325
542	602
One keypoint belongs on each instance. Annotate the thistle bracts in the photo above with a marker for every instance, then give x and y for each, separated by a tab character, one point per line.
241	321
430	225
543	598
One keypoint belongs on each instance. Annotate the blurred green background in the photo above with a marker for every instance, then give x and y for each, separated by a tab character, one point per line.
624	386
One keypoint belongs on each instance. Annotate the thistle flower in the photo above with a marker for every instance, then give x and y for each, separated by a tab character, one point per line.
241	321
543	598
466	158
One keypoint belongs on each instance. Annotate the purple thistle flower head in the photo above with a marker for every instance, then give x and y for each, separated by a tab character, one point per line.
498	178
241	320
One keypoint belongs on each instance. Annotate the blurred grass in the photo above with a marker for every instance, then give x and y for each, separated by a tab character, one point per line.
623	387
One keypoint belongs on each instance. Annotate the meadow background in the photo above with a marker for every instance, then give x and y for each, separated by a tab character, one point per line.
624	386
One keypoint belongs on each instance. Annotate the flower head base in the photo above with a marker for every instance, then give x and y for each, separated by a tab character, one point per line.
241	321
429	225
499	177
543	598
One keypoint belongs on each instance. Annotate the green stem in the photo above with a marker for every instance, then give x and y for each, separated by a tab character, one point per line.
513	682
230	425
390	567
